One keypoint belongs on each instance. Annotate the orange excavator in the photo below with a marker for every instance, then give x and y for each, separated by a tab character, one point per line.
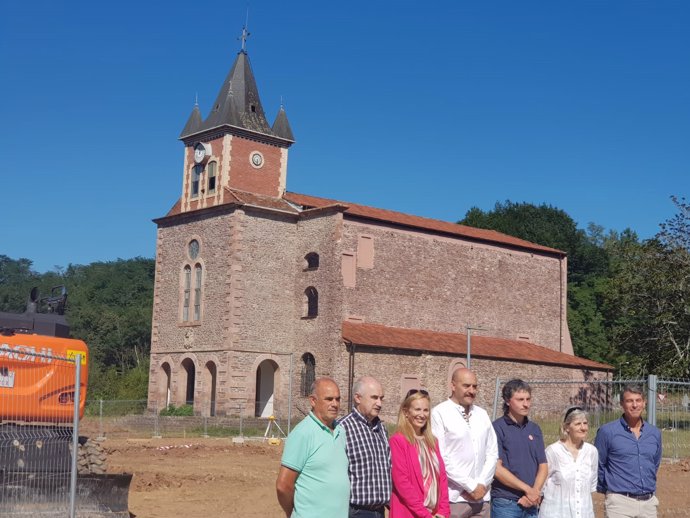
38	371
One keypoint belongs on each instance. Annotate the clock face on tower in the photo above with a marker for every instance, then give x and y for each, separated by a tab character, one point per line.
256	159
199	153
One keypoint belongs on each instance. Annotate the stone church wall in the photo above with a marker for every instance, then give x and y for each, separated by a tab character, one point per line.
202	341
425	281
402	370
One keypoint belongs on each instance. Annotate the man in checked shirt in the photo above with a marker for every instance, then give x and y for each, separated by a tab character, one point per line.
368	451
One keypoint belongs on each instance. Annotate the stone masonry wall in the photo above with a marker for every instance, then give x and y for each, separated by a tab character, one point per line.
433	372
419	280
174	340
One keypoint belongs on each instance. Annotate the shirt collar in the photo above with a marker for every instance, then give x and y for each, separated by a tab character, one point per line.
459	405
625	426
358	415
333	431
510	421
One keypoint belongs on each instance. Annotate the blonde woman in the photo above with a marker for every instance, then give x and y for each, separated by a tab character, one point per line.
573	467
420	485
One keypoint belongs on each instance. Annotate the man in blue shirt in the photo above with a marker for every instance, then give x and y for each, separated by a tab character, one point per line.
521	469
629	458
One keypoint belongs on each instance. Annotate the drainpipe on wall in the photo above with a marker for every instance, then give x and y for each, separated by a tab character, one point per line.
350	374
560	307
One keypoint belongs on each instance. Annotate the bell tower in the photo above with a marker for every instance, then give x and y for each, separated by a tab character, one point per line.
234	148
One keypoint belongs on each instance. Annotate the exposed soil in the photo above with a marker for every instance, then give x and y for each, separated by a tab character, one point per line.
216	478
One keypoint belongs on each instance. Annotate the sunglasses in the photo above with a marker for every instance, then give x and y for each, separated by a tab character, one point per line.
416	391
571	410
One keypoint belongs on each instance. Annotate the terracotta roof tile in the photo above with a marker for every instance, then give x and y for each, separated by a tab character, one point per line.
236	197
260	200
388	216
376	335
408	220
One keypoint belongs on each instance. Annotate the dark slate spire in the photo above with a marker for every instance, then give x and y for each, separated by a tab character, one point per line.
281	126
193	123
238	102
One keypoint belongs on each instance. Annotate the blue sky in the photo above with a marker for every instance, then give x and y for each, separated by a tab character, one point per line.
427	108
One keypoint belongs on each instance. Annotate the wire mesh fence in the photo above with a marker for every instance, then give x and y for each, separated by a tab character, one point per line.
137	419
668	407
40	397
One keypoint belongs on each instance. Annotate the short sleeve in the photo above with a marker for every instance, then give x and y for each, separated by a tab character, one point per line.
540	453
499	443
296	450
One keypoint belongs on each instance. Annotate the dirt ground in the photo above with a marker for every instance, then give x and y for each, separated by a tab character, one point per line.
216	478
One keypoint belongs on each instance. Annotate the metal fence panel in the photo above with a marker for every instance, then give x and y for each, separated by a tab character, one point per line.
136	419
669	401
38	400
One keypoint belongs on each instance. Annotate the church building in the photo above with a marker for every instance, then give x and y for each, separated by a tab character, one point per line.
260	290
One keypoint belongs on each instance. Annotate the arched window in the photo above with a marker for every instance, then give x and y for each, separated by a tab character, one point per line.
197	292
196	175
312	260
187	293
211	177
312	297
308	373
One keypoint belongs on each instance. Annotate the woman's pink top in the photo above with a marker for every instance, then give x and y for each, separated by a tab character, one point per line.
407	500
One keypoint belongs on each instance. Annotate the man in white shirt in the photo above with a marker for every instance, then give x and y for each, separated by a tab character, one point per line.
468	446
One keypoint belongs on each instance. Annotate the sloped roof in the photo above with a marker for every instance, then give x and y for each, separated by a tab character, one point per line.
238	102
260	200
408	220
489	347
239	199
281	126
193	122
290	199
238	105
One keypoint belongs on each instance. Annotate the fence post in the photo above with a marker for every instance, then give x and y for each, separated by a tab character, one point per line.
100	420
205	434
156	431
651	398
496	391
75	438
241	420
289	416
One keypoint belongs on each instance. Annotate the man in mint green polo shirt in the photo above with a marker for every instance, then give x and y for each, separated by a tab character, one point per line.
313	480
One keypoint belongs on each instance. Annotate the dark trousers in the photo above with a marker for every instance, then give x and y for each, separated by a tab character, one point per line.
366	513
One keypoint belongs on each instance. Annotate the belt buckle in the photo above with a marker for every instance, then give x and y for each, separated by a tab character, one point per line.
642	497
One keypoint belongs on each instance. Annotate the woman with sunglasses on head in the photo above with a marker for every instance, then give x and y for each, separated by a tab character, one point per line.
420	485
573	465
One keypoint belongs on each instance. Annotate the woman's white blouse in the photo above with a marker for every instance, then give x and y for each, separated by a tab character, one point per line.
570	482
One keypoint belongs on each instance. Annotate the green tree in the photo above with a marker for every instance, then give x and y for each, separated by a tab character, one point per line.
648	305
648	299
16	280
109	307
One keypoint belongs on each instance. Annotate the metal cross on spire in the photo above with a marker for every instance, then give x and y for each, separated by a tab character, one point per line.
245	33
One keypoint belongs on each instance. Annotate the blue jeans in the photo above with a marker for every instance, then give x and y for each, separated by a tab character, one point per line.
504	508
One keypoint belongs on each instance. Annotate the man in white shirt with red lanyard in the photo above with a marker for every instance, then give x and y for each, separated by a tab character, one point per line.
468	446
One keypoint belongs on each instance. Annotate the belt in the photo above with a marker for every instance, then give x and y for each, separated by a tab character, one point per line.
376	508
638	496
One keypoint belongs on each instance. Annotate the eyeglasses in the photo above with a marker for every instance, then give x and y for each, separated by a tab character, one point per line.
415	391
571	410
